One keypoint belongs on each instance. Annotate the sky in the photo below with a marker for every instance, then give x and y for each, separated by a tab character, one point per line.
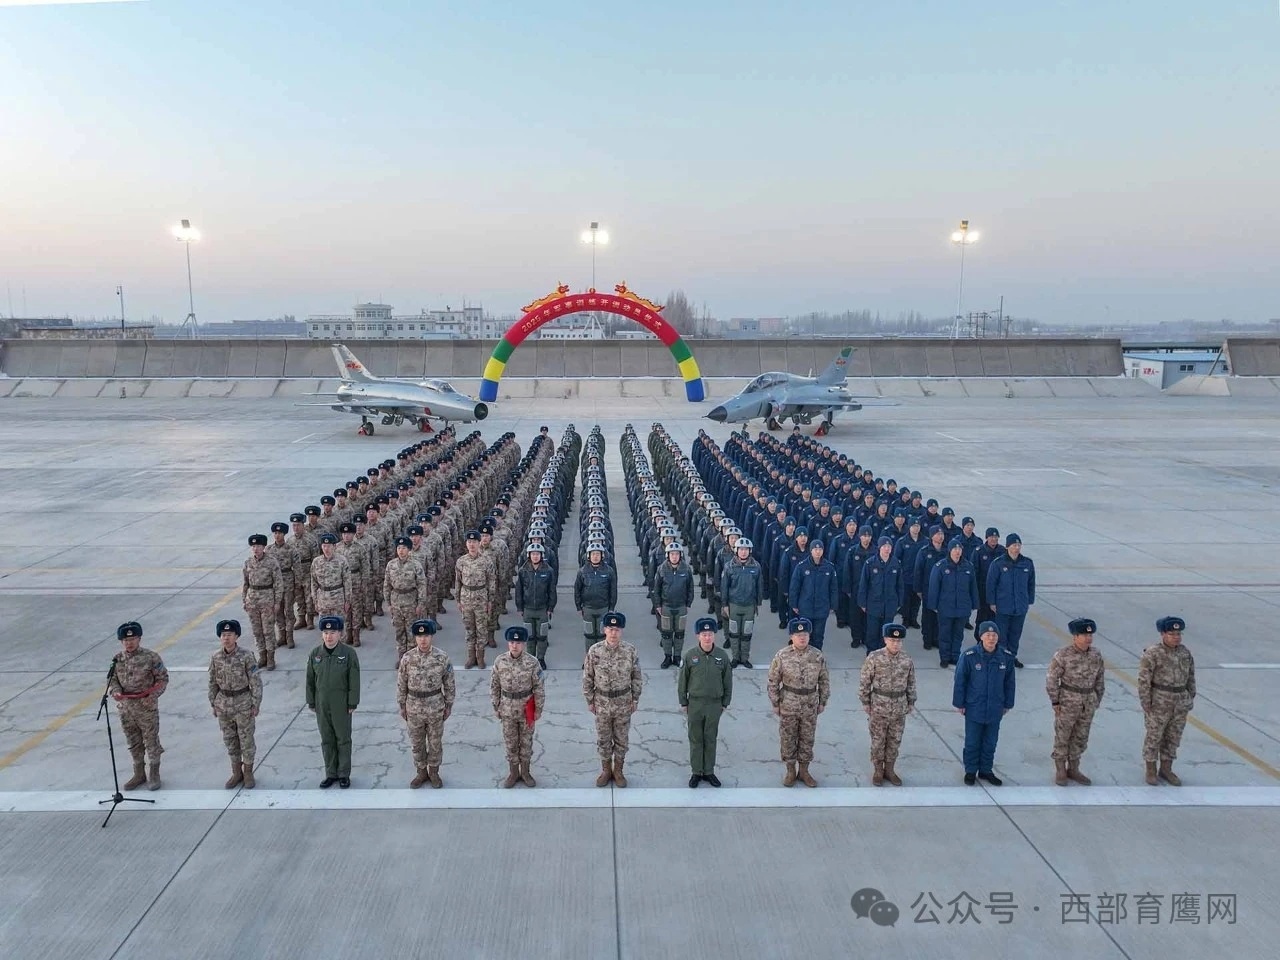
1121	162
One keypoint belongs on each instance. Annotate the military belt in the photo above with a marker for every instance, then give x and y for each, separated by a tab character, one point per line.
800	691
325	589
404	589
519	695
889	693
476	589
1162	687
234	693
260	586
1067	686
423	694
614	694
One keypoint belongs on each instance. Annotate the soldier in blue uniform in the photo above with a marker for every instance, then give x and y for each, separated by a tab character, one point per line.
983	694
815	592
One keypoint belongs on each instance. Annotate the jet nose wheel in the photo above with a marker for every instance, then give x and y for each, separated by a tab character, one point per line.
823	429
366	429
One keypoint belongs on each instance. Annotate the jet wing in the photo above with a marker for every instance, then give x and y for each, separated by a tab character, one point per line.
380	403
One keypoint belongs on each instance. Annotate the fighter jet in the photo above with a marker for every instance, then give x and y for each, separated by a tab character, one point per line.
779	396
417	401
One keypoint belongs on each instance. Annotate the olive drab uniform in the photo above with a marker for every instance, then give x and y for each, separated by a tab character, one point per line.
235	694
705	688
405	587
513	681
1076	682
262	591
140	678
425	691
475	583
611	683
1167	691
887	688
799	685
333	690
286	556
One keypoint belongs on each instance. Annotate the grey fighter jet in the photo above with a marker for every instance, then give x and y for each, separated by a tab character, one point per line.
396	401
778	396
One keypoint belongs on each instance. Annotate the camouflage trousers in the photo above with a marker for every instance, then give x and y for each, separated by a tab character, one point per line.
1071	723
302	595
329	603
796	730
886	736
141	722
366	604
426	735
356	620
284	617
402	615
1164	725
474	607
517	735
237	722
613	727
261	608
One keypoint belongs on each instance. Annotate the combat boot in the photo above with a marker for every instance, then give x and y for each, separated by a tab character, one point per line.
789	778
237	775
491	643
311	621
249	782
877	775
526	776
433	774
139	776
1151	773
675	659
153	777
666	662
282	641
1073	773
271	659
471	661
802	774
378	609
618	778
892	775
289	640
1060	773
480	657
1166	772
300	623
355	638
262	658
606	774
513	774
420	779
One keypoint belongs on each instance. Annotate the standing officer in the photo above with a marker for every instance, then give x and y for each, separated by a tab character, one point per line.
536	600
887	689
799	687
953	595
405	587
333	693
235	694
742	589
704	688
262	591
595	591
983	694
881	592
330	581
138	678
1075	684
286	556
425	692
986	554
611	684
307	547
356	557
475	583
1011	590
672	598
815	591
1167	691
516	691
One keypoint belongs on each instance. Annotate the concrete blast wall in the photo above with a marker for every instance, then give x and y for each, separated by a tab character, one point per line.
240	359
1253	356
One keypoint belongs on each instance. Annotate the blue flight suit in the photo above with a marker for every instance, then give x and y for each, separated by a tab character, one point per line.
814	592
984	689
953	593
880	595
982	559
1011	590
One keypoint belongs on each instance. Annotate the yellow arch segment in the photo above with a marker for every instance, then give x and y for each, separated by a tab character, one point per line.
689	369
493	369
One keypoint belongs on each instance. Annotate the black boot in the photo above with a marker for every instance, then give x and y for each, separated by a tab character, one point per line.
666	662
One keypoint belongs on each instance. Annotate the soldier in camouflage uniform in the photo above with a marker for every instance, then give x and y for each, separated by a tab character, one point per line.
235	694
405	587
611	684
366	545
375	530
313	531
799	687
887	689
286	557
330	581
515	679
474	584
138	679
434	563
425	692
307	548
353	554
262	592
1076	682
1167	691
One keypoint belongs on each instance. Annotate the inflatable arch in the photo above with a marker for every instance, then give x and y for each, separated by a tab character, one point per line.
622	302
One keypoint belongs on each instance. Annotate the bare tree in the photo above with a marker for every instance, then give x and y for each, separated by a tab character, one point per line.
679	313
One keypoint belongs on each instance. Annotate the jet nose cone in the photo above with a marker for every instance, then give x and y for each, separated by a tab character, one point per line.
719	414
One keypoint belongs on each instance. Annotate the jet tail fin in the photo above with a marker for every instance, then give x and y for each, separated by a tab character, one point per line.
838	370
349	365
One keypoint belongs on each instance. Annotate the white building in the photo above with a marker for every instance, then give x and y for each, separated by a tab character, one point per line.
1165	369
377	321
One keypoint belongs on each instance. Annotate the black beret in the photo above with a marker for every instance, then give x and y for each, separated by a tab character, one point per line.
232	625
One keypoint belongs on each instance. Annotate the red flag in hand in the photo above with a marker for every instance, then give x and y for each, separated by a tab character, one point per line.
529	711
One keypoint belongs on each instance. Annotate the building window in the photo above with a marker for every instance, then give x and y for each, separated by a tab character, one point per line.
326	326
1186	367
399	326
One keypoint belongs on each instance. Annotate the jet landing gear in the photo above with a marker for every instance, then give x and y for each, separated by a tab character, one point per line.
366	427
823	428
773	424
424	426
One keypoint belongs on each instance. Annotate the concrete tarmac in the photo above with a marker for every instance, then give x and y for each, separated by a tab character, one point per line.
1132	508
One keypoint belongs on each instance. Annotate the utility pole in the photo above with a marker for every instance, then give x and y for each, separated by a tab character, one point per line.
120	294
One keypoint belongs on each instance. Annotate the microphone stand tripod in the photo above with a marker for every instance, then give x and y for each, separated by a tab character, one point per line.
116	798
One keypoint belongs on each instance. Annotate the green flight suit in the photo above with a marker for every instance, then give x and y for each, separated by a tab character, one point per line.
705	687
333	689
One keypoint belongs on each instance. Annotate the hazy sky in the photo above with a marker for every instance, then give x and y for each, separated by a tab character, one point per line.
1120	160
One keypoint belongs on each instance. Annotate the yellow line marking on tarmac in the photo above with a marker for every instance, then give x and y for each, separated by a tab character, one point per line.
57	723
1219	738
